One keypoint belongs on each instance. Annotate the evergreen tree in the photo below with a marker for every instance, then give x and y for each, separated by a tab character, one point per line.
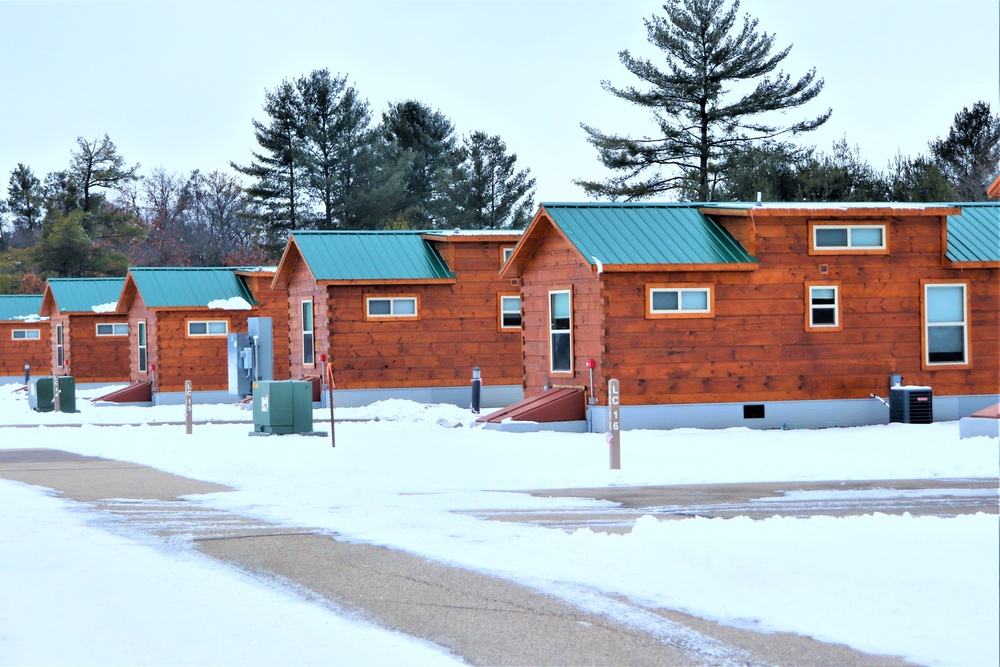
769	168
699	122
917	180
969	156
488	190
277	171
424	139
65	248
840	176
25	201
97	164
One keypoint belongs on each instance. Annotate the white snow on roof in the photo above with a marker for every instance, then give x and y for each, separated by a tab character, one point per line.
232	303
30	318
105	307
835	206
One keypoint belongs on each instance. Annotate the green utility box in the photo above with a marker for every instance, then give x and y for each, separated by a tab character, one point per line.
282	407
41	394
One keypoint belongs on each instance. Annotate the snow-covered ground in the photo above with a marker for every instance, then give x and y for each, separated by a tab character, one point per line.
925	588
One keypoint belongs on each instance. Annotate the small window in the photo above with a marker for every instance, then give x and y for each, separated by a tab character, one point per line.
505	253
679	301
308	352
510	311
26	334
823	308
60	351
560	332
847	238
119	329
140	334
208	327
946	333
391	307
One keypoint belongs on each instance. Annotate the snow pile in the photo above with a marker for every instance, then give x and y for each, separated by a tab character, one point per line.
232	303
105	307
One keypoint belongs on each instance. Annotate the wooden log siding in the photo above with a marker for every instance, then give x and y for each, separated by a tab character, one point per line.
89	357
456	328
14	354
756	347
138	312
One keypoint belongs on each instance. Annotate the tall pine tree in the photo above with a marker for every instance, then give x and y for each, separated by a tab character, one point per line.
969	156
489	190
699	119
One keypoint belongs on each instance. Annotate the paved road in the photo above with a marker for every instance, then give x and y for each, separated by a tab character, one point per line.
482	619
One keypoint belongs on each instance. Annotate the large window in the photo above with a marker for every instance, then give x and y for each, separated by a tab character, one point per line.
198	328
60	357
946	331
140	335
560	332
834	239
510	311
308	352
823	307
26	334
391	307
108	329
679	301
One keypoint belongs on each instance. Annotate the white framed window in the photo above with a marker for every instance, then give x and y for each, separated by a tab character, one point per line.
115	329
946	324
510	311
60	356
308	351
140	335
385	307
560	331
505	253
679	301
26	334
197	328
823	307
847	238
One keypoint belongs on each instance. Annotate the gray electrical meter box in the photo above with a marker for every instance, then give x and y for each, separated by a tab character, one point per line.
251	356
282	407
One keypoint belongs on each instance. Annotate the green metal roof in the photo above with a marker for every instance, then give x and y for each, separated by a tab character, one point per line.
86	295
974	236
376	256
20	306
188	287
647	234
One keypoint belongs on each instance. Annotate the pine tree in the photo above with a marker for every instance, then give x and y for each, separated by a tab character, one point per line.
97	164
489	190
698	119
970	155
25	202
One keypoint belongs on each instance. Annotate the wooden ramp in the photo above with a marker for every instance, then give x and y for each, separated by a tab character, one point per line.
141	392
554	405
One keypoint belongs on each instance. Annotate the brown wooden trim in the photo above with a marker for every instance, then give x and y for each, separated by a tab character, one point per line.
839	306
421	281
650	315
971	265
500	297
389	318
853	212
467	236
661	268
967	364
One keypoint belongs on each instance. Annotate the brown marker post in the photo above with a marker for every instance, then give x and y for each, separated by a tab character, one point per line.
187	407
614	424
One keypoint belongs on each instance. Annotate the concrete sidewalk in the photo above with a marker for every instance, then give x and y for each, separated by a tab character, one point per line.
482	619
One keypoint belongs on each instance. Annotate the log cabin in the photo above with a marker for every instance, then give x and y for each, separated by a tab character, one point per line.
767	316
404	314
24	337
87	339
180	320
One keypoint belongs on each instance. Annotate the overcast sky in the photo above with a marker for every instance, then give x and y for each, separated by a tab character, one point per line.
177	84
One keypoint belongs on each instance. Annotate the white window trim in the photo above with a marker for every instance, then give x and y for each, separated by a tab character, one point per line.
835	307
505	253
964	324
26	334
208	333
60	347
142	331
503	312
116	329
681	310
392	314
850	234
567	332
311	332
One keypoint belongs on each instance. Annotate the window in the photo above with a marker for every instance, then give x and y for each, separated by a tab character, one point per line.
823	308
140	335
208	327
505	253
560	332
679	301
308	353
391	307
59	346
829	239
26	334
119	329
510	311
946	334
